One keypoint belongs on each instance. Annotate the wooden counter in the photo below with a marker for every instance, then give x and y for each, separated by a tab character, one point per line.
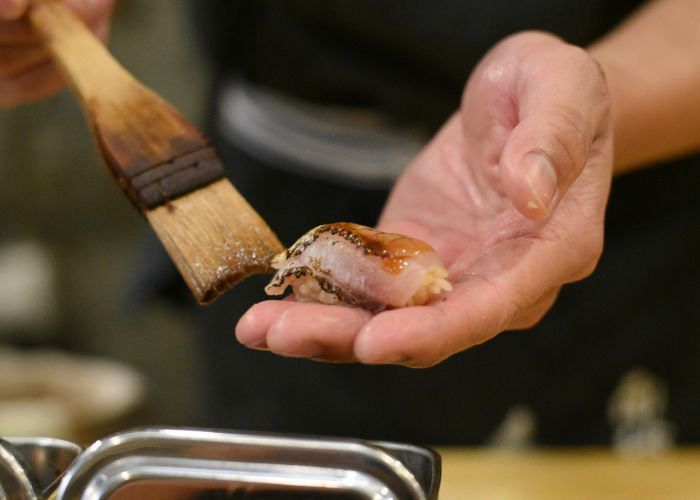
582	474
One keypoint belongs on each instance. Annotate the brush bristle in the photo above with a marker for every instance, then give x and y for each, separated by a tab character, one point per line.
215	238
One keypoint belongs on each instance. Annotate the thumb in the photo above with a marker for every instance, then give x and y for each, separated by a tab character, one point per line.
561	114
12	9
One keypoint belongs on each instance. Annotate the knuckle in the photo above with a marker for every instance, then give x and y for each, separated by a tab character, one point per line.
594	248
571	129
536	312
589	254
592	80
525	313
526	322
578	57
530	39
568	142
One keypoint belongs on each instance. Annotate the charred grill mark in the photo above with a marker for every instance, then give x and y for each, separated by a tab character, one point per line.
351	299
348	234
394	250
297	272
341	229
304	243
315	263
328	287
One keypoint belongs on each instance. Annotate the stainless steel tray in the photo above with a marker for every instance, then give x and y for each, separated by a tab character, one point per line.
177	463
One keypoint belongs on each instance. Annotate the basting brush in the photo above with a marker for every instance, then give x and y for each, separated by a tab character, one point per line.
161	162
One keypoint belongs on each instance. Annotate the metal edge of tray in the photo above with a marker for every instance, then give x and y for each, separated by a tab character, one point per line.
381	461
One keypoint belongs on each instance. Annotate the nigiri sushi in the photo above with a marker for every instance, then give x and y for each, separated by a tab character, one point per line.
354	265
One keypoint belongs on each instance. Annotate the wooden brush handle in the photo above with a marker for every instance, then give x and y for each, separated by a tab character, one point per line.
153	153
85	62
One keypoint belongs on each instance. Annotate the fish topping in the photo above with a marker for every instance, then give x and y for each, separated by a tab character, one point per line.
350	264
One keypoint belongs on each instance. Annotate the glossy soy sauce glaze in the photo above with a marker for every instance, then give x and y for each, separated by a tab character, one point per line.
395	250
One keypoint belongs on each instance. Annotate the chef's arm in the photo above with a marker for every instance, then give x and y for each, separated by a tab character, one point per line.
652	65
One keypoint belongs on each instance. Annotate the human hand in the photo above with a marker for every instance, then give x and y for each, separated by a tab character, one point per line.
26	72
511	193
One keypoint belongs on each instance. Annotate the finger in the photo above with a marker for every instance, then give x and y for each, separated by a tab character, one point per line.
252	327
563	107
412	336
12	9
533	314
101	30
16	59
496	293
39	82
316	331
419	337
93	12
299	329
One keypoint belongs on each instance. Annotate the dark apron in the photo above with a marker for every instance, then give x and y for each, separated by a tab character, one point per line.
408	61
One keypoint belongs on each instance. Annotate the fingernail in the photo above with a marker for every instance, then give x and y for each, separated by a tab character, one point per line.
542	180
258	345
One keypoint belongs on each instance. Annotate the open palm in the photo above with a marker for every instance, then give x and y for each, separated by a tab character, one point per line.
511	193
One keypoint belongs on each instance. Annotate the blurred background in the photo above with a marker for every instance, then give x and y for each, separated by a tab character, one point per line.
82	355
69	243
72	250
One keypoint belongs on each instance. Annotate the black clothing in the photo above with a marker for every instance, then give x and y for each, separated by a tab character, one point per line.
410	60
635	311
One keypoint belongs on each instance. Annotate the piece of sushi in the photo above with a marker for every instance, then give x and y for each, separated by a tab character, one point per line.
345	263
